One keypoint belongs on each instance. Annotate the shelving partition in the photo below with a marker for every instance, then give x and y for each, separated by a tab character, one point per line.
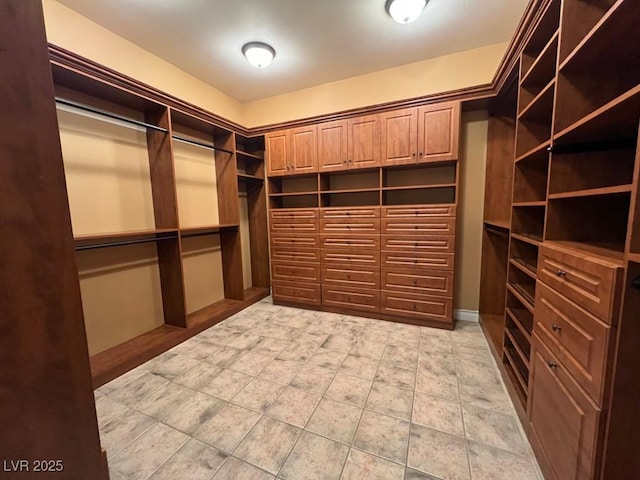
156	131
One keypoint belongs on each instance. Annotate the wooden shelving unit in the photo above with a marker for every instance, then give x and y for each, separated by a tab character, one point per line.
165	128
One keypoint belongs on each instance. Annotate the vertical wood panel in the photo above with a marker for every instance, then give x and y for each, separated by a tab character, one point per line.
48	409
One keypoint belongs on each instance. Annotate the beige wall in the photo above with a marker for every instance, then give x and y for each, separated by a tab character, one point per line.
450	72
72	31
471	203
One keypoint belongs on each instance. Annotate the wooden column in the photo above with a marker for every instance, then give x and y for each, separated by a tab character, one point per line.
48	409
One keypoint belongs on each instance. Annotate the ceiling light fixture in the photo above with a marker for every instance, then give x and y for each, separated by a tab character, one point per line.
405	11
259	54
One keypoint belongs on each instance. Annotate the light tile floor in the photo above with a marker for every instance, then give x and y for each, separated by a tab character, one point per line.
277	392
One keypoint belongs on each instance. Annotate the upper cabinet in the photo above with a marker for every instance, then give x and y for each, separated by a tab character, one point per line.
419	135
408	136
292	151
349	144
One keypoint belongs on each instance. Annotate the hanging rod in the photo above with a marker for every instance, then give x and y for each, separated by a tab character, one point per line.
583	147
123	243
200	144
104	113
199	234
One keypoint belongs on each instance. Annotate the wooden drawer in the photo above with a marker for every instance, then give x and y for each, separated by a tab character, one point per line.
354	256
418	307
293	213
422	282
439	261
288	240
420	211
592	283
349	277
564	421
295	254
349	226
424	243
294	226
351	298
576	337
301	293
337	241
419	226
350	212
296	272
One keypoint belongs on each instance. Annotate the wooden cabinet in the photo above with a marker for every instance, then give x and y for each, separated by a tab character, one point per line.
428	282
296	293
351	276
411	226
351	298
349	144
293	151
417	307
424	243
564	421
425	134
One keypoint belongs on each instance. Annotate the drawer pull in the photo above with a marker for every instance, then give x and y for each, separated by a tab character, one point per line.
415	282
556	328
416	226
552	364
561	273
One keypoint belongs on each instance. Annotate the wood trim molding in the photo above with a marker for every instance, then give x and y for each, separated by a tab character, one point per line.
482	94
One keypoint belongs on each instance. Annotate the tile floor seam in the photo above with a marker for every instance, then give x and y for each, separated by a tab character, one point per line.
464	426
118	452
170	457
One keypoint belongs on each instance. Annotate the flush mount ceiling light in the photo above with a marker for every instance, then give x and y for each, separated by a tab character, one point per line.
259	54
405	11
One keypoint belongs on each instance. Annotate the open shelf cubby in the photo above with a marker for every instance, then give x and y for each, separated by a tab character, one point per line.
413	196
424	176
538	42
523	284
350	199
346	181
525	255
541	74
530	179
534	123
528	221
520	315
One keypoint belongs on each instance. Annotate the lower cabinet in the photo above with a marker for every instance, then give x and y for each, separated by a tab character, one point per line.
564	421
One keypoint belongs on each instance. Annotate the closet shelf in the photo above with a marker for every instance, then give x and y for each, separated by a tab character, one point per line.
524	300
612	252
518	323
530	239
617	119
516	371
539	151
420	187
244	177
593	192
119	239
502	224
517	346
609	34
545	61
634	257
524	267
537	108
203	230
293	194
537	203
249	156
352	190
197	143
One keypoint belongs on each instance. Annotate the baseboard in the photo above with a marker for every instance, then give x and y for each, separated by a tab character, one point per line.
466	315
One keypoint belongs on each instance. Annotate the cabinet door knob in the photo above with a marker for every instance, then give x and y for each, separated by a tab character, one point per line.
552	364
421	154
561	273
413	154
556	328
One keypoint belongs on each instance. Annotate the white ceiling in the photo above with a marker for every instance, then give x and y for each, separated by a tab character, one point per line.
317	41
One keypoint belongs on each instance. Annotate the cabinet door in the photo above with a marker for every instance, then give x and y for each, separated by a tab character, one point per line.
364	142
277	144
399	136
332	145
564	421
304	154
438	132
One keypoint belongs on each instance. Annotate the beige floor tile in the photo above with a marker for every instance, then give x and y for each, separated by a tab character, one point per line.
493	428
326	358
362	367
136	390
438	413
258	395
335	420
445	386
120	431
270	346
142	457
194	412
108	409
228	427
389	400
435	345
471	371
199	376
163	401
194	461
490	463
439	363
315	457
478	353
438	453
294	406
384	436
225	357
486	395
396	375
251	363
348	389
313	379
416	475
400	354
339	342
234	469
173	366
369	348
281	371
226	385
361	465
298	352
245	341
268	444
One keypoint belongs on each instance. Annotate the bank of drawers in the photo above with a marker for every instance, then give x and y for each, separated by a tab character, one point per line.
417	261
350	257
295	255
576	307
